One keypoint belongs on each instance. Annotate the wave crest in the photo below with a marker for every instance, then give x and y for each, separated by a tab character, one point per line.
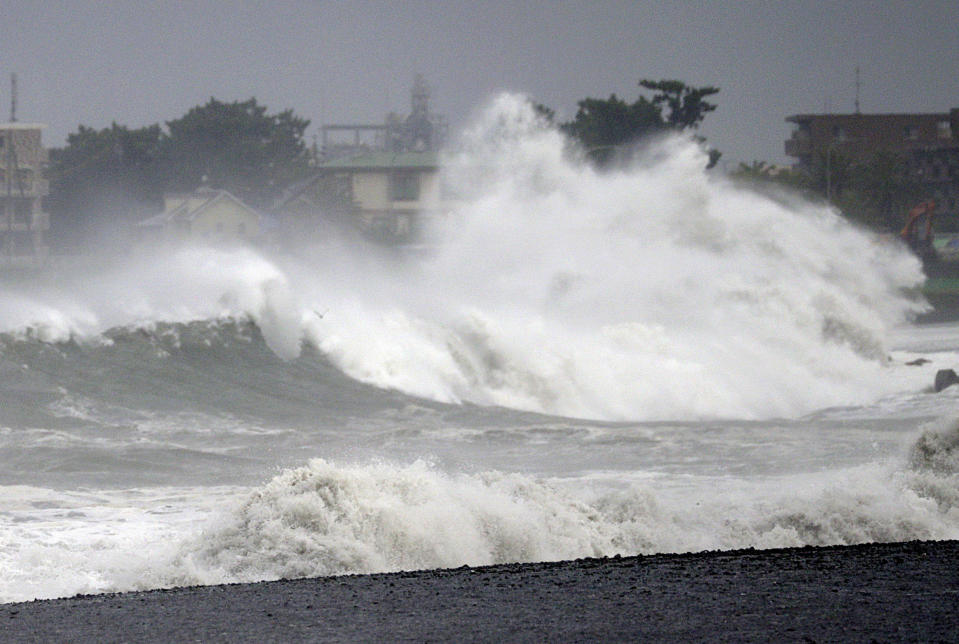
323	520
327	519
653	291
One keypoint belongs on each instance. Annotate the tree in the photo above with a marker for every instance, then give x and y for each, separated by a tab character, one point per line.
236	146
102	175
687	105
544	112
603	126
875	190
105	178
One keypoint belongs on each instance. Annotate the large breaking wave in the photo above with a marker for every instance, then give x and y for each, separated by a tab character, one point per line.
328	518
651	291
325	518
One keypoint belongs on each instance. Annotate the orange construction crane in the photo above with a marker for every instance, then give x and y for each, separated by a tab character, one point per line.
917	235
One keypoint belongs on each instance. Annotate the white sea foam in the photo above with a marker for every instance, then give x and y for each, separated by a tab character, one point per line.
56	544
326	518
652	291
178	285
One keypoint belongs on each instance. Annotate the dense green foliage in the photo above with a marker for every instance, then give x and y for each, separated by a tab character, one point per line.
603	127
105	179
236	146
101	176
687	105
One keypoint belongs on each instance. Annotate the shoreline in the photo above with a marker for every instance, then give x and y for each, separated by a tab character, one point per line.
906	591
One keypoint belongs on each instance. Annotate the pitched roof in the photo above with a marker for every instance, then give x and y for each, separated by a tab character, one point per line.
293	191
185	211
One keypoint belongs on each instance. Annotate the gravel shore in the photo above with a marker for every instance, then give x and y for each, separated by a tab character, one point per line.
883	592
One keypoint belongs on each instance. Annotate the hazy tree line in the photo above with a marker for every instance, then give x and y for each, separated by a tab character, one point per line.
104	180
875	191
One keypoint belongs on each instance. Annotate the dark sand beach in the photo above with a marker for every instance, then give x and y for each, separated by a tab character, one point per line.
876	592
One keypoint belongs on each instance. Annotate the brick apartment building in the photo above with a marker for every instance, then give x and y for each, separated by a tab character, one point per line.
929	143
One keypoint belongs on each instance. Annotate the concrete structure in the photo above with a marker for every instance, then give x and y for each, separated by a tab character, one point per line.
22	188
386	195
380	179
928	143
420	131
204	216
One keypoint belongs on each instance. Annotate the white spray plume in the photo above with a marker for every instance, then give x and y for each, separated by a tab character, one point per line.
654	290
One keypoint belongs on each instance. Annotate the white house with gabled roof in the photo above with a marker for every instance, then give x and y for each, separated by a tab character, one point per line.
206	215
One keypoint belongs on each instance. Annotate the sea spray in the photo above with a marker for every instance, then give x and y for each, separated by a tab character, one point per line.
158	285
157	430
653	290
325	518
328	517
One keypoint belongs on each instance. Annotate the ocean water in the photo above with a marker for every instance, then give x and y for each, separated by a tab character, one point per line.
575	364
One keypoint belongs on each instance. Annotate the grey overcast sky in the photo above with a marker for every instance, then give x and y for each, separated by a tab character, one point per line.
144	62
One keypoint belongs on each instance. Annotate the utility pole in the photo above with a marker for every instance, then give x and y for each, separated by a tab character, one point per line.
857	89
13	97
8	170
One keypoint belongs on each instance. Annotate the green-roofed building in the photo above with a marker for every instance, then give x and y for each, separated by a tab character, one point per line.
381	179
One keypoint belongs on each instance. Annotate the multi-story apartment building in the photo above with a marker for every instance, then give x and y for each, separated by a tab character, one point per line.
22	188
928	143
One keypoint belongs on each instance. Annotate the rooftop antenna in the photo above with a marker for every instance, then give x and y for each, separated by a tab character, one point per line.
13	97
858	85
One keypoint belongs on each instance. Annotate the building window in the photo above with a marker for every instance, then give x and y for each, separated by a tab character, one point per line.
944	130
838	133
910	132
404	186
